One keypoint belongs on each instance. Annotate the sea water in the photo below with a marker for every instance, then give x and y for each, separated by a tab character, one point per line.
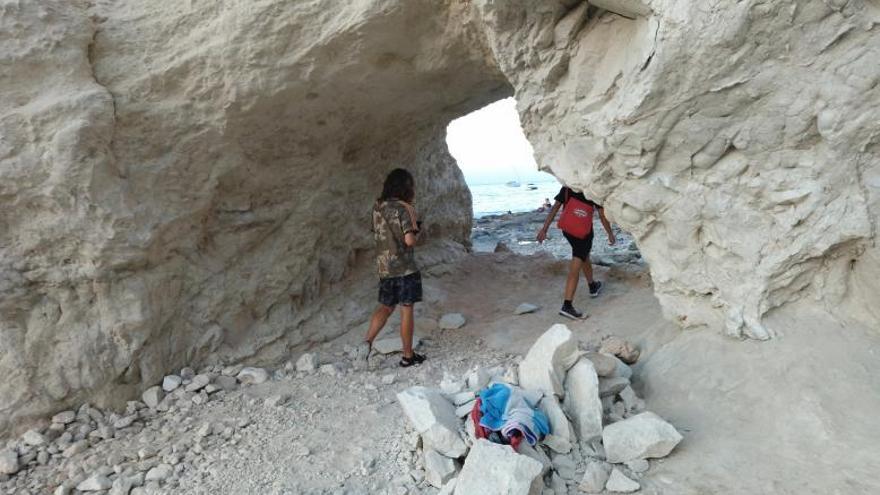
494	199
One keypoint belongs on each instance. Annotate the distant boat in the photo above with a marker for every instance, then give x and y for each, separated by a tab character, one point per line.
531	187
513	183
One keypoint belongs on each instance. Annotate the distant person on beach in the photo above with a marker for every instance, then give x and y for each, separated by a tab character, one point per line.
396	229
545	205
576	223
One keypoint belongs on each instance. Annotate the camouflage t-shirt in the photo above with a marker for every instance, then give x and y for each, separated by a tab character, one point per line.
391	222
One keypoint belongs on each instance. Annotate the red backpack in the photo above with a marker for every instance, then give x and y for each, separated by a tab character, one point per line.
577	217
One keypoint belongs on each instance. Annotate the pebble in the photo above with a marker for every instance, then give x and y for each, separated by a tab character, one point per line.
159	473
95	483
171	382
198	382
253	375
619	483
34	438
65	417
526	308
8	461
152	396
307	363
452	321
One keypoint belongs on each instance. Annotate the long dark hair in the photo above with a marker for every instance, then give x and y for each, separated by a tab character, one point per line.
399	185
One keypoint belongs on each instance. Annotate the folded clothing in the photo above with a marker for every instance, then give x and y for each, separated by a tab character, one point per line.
506	409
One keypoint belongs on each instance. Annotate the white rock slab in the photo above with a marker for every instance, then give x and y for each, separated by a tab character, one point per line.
433	417
559	425
582	400
546	362
8	461
526	308
171	382
642	436
493	469
452	321
252	375
439	469
619	483
595	477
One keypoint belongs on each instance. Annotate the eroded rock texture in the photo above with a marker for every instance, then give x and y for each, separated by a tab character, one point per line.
738	141
185	179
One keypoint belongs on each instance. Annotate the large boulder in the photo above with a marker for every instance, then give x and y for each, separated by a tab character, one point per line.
433	417
439	469
582	400
560	426
642	436
545	364
493	469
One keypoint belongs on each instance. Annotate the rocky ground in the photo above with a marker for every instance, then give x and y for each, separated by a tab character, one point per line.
338	429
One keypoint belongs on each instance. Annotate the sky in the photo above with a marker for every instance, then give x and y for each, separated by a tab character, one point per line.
490	147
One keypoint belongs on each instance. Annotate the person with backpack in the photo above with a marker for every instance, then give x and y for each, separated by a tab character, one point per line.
396	229
576	223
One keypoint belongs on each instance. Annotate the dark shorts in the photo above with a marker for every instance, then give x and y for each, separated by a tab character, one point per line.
404	290
580	248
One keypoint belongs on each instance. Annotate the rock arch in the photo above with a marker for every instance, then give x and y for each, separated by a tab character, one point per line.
187	179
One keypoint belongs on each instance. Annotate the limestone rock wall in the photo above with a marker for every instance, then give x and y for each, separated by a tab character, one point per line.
185	181
738	141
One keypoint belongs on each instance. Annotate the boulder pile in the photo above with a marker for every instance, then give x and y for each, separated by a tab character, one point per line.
601	436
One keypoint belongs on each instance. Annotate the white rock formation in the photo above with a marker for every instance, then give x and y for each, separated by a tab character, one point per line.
642	436
737	141
433	417
582	401
545	364
186	181
494	469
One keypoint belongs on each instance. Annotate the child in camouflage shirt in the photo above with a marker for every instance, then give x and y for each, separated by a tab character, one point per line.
396	227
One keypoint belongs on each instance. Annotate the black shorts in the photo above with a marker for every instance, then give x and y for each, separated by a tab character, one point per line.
580	248
405	290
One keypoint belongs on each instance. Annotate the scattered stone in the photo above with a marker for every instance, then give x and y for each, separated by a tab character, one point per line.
557	444
546	362
232	371
619	483
329	369
159	473
8	461
639	466
187	373
564	466
152	396
307	362
171	382
559	424
608	387
605	364
642	436
434	418
451	385
77	448
276	400
198	382
253	375
95	483
537	454
452	321
526	308
623	349
121	486
34	438
464	409
64	417
388	379
439	469
478	378
496	469
227	383
463	397
392	345
595	477
204	430
582	400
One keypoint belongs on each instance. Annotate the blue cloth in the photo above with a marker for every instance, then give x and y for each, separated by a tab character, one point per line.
506	409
